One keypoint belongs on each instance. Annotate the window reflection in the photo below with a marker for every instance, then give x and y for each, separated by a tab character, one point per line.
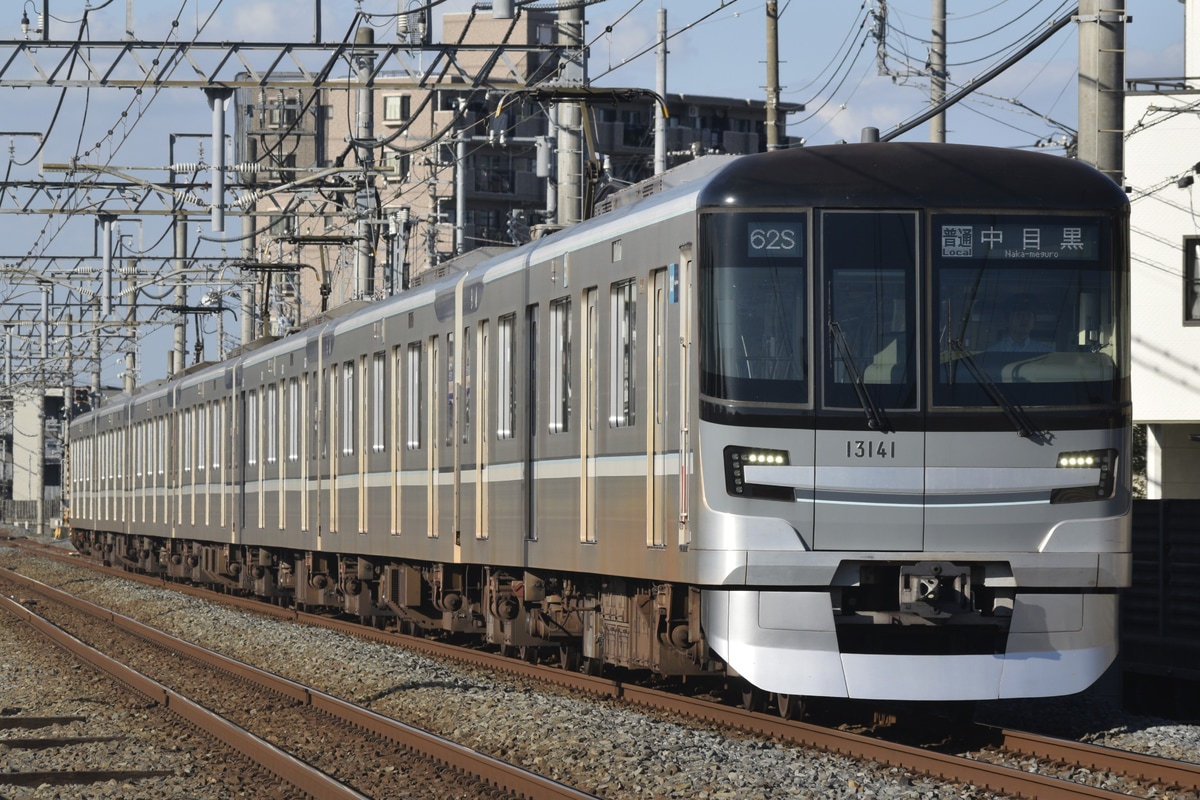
1031	311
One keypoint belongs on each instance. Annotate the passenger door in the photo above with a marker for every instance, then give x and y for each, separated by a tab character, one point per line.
869	462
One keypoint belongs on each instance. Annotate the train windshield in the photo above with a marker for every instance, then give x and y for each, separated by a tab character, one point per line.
1026	311
753	314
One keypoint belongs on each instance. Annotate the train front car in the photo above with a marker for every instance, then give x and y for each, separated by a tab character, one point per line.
914	421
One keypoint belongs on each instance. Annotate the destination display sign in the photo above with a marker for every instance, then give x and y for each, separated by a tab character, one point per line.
1034	239
774	239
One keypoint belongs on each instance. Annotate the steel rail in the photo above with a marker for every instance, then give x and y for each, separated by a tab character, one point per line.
493	771
1001	779
1138	765
301	775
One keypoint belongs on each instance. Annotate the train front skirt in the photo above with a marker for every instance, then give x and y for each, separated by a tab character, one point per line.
1057	644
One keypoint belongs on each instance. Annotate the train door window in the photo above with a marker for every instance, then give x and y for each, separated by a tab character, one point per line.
217	427
202	454
482	389
531	387
396	393
320	431
532	335
1191	280
137	450
362	398
329	419
506	398
186	451
449	388
306	403
271	428
252	427
590	404
218	452
378	404
869	263
293	420
560	365
347	406
412	402
202	437
432	461
466	385
622	394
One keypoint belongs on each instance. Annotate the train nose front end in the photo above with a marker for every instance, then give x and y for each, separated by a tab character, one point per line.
912	428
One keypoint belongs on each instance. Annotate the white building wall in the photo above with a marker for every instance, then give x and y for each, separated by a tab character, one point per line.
28	444
1160	150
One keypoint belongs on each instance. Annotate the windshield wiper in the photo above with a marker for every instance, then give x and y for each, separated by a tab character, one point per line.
875	419
1011	410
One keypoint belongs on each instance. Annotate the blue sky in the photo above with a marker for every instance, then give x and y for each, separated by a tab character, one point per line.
828	62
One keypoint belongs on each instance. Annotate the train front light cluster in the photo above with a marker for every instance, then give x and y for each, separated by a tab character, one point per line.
737	459
1105	461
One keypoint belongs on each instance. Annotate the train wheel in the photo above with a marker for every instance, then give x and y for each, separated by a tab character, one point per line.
791	706
593	667
528	654
753	698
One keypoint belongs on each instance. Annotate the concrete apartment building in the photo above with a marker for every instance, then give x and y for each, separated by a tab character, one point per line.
463	167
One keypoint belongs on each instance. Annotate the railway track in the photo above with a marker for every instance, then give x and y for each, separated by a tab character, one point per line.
321	745
1008	762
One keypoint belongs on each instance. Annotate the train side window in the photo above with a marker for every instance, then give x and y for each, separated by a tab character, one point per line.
622	394
412	403
560	365
506	391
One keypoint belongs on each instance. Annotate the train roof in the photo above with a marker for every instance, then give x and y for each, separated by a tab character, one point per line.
912	174
868	175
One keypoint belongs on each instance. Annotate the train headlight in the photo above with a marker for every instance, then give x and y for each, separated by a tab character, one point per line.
1104	462
736	461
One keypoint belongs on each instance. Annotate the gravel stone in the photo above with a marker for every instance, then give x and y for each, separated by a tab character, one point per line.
596	745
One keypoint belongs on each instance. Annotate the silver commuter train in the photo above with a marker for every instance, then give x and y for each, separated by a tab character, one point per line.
845	421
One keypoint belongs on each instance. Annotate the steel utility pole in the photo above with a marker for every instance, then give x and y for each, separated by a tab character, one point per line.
660	86
937	71
772	122
570	139
364	134
1102	86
